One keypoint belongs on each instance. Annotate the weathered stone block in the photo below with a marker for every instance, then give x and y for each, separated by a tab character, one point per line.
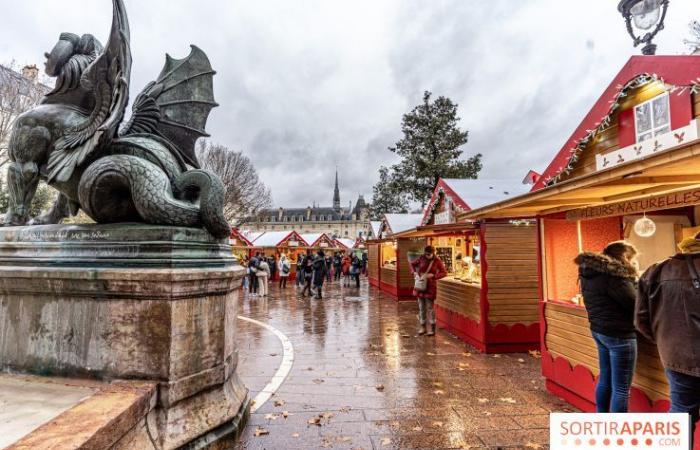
127	302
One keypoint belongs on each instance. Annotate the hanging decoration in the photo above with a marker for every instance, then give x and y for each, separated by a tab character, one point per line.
432	206
645	227
606	122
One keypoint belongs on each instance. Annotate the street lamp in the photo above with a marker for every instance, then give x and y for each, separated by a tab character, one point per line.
648	17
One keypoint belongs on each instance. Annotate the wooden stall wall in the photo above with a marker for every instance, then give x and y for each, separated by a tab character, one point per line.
405	275
511	286
571	361
458	310
373	263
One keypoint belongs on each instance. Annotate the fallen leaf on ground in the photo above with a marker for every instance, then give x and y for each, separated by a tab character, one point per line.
438	392
437	424
496	355
279	402
343	439
437	383
535	353
385	441
318	381
456	385
345	409
417	428
467	354
483	400
261	432
273	354
315	420
379	387
327	415
295	435
487	413
507	400
405	335
270	416
430	354
533	445
309	368
286	414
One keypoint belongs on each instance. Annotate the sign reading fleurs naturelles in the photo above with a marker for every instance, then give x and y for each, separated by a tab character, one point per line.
665	201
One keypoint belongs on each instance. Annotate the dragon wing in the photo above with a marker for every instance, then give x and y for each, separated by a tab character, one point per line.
177	105
107	78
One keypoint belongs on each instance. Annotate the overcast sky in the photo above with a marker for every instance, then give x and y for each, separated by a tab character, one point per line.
308	85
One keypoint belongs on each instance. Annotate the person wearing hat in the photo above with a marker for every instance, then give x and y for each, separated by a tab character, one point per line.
668	313
427	270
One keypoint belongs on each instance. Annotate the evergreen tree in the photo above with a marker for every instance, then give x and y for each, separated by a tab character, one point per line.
429	150
387	197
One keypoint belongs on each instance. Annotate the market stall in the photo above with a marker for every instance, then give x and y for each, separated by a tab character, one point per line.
490	295
276	243
631	170
320	241
373	247
240	244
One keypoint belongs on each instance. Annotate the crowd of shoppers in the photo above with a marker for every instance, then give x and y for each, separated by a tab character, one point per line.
663	305
311	271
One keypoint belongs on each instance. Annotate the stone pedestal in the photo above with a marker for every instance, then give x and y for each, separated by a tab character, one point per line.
129	301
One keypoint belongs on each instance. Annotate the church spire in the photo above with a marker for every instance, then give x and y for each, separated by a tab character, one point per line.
336	193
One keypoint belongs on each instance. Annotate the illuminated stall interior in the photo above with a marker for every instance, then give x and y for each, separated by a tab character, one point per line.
634	174
240	244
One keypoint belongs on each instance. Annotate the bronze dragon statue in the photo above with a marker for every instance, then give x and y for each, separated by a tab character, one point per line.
144	170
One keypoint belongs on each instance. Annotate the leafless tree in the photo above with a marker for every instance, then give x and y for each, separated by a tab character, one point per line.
246	194
17	95
694	42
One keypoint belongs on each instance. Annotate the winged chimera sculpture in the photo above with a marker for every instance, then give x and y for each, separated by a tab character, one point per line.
145	170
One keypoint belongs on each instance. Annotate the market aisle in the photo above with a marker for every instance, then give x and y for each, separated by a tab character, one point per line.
362	379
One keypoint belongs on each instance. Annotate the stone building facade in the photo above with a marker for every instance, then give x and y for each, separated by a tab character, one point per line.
336	221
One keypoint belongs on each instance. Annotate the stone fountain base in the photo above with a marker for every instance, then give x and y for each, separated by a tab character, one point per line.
129	302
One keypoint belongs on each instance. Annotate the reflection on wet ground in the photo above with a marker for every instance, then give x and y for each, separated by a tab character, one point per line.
362	379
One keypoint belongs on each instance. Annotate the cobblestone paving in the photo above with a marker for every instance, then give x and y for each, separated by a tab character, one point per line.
363	379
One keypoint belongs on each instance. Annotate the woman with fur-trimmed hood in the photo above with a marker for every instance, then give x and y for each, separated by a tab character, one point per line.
609	287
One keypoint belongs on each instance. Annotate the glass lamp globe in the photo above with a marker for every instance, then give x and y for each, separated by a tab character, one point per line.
646	13
645	227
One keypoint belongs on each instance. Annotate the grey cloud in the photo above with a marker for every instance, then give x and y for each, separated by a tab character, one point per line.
307	86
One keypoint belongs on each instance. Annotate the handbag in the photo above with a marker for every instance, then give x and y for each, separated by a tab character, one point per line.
420	284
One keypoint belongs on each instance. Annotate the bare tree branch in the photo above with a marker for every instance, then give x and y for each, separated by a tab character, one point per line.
17	95
245	193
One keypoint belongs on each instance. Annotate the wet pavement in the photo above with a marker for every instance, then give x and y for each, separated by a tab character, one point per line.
362	379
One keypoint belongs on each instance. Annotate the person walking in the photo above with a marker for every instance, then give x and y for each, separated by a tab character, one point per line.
300	270
346	266
272	262
356	270
319	273
284	269
365	260
263	275
608	285
329	268
307	271
337	266
667	312
427	269
252	275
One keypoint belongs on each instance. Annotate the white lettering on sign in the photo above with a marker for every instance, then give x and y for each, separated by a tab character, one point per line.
443	217
293	243
649	147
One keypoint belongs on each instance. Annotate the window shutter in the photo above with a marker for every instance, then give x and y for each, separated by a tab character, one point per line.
626	131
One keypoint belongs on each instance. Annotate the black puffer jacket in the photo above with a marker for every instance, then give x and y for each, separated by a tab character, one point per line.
609	291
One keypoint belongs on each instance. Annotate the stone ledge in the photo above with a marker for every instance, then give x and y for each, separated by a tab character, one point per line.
97	422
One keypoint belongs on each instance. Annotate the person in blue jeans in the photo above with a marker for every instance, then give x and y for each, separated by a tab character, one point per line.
668	308
609	287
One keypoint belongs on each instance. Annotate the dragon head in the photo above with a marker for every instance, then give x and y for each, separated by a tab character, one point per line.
69	58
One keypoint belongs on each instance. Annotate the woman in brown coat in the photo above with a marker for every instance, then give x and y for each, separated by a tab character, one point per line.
430	268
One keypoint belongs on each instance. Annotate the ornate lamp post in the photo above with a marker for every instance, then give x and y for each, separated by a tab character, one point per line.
648	17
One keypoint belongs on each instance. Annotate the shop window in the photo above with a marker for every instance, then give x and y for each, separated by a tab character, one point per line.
652	118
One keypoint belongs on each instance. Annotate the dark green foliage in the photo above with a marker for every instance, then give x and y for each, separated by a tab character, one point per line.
388	196
429	150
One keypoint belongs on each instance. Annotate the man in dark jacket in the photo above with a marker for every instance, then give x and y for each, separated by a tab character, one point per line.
608	285
320	270
337	266
668	313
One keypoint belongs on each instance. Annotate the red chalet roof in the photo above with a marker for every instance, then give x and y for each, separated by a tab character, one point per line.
676	70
